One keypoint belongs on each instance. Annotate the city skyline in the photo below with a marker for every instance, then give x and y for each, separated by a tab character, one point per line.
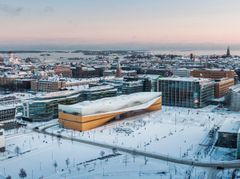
131	23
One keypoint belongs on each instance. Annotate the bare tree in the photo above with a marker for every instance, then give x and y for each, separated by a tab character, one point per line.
114	150
67	161
55	165
102	153
78	169
17	150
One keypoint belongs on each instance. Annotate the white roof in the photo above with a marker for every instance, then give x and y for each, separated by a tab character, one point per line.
236	88
57	94
188	79
135	101
5	107
230	126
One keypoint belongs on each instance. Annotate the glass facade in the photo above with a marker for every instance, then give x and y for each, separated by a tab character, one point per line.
238	145
40	110
180	93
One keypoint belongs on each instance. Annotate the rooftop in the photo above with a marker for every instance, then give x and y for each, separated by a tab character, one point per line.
121	103
57	94
236	88
99	88
187	79
230	126
5	107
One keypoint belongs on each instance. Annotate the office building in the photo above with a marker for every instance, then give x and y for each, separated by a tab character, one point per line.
186	92
233	98
99	91
45	107
7	116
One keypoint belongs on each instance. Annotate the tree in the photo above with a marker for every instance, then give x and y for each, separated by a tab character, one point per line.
22	173
78	169
55	165
17	150
102	153
114	150
67	162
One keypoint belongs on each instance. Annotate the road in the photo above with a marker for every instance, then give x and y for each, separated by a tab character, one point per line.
205	164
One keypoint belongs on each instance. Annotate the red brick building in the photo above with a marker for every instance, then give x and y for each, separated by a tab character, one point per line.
222	86
64	71
213	73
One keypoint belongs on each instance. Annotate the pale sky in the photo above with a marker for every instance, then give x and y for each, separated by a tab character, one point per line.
119	21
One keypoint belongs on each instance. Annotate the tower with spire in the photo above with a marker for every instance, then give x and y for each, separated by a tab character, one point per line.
228	54
119	70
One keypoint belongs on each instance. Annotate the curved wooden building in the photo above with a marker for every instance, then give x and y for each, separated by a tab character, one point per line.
91	114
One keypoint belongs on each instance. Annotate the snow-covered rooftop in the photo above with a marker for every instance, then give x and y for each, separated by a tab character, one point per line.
5	107
130	102
230	126
99	88
187	79
236	88
57	94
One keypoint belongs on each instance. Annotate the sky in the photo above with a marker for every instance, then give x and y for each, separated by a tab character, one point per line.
110	22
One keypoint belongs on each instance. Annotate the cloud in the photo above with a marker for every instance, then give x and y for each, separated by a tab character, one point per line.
13	11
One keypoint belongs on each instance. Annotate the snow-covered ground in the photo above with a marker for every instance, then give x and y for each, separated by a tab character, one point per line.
37	153
179	132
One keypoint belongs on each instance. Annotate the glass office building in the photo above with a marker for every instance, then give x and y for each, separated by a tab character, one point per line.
46	108
186	92
238	144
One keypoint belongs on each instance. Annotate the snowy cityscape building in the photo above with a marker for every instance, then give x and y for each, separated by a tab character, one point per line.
45	108
182	72
222	86
141	110
213	73
91	114
186	92
7	116
233	98
228	136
